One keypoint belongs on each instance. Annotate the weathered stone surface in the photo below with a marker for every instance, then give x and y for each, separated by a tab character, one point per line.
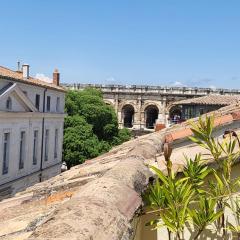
104	207
95	200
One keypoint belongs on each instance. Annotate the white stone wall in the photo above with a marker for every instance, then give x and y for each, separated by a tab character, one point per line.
18	119
27	181
52	123
31	92
14	125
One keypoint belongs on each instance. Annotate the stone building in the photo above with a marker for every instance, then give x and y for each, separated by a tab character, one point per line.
141	107
195	107
31	129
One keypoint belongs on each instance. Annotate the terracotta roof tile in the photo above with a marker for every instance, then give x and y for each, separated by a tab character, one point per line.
236	115
223	120
159	127
17	76
184	131
220	100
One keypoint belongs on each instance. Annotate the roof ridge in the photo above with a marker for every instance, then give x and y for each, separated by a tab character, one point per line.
7	68
16	75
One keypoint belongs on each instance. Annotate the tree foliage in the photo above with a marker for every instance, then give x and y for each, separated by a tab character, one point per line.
91	127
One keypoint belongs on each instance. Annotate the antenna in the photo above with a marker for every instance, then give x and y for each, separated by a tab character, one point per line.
18	66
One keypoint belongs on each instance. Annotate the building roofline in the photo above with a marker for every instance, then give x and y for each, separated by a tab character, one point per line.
31	81
212	90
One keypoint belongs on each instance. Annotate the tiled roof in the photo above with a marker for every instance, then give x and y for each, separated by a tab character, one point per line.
221	100
18	76
107	188
224	116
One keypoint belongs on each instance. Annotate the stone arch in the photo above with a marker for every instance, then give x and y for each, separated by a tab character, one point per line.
152	103
169	106
175	114
128	102
127	113
151	112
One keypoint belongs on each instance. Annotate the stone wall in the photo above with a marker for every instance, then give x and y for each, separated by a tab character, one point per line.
143	99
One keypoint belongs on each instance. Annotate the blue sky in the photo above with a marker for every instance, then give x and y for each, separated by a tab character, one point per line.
153	42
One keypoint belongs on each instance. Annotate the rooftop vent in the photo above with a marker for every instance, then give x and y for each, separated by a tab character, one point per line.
19	66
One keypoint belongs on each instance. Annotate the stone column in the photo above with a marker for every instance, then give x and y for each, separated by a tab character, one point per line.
143	125
161	121
117	110
120	121
139	104
116	101
137	111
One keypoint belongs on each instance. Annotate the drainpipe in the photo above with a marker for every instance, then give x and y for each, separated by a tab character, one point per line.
43	125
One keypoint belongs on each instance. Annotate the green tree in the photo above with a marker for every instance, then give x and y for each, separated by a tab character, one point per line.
90	105
91	127
79	141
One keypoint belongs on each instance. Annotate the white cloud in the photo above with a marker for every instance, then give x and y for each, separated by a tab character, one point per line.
111	80
201	82
213	87
43	77
178	84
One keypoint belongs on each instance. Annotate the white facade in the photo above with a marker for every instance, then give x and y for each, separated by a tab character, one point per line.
31	134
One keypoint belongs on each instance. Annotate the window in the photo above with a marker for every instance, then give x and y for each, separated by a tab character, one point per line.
6	144
37	101
46	144
189	112
22	153
56	144
58	104
201	111
48	103
35	146
9	104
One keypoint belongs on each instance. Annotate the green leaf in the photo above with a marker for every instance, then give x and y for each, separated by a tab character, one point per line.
161	176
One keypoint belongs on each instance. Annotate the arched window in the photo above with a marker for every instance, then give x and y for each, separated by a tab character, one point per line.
175	114
151	115
128	116
9	104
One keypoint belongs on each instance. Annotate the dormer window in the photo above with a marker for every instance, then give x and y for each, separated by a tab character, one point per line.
9	104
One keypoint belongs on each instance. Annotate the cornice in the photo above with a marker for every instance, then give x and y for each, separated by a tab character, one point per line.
4	114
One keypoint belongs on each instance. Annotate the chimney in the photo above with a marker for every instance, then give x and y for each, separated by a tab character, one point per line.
25	70
56	77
